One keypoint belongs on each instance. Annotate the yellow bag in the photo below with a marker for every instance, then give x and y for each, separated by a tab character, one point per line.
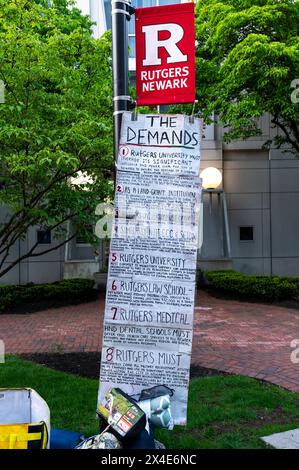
24	420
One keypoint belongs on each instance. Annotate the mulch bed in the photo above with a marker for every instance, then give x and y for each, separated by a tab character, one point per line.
88	364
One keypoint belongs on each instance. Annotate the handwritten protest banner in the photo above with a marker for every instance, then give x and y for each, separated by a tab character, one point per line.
149	308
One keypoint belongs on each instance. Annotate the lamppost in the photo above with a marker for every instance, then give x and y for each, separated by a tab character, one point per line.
121	14
211	180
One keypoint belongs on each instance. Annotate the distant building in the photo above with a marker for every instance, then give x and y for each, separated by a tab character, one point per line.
262	193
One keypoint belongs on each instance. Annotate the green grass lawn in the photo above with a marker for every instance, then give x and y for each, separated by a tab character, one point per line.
223	412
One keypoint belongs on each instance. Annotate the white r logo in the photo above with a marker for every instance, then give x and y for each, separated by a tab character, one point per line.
152	43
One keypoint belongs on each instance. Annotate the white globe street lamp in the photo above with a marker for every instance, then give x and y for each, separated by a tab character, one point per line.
211	178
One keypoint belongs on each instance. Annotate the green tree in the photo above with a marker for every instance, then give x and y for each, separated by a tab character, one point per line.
55	123
248	61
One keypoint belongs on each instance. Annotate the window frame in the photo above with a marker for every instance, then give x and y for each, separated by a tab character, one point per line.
39	231
253	231
84	244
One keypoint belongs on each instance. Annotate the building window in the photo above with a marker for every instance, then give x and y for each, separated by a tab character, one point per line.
166	2
44	237
83	238
246	233
108	9
132	49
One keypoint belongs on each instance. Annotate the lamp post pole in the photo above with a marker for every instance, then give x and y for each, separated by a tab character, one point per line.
121	13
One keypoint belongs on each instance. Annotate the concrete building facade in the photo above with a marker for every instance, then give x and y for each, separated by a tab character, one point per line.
262	193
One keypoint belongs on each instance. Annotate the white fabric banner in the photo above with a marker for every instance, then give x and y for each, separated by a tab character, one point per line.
148	323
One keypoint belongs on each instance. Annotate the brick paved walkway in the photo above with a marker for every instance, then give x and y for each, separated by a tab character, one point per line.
238	337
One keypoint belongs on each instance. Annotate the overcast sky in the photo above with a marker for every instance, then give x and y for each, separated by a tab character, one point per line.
84	6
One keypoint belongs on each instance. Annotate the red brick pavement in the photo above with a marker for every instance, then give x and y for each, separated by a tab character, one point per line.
237	337
247	338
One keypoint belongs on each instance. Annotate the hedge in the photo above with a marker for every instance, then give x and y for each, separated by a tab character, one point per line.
67	292
254	286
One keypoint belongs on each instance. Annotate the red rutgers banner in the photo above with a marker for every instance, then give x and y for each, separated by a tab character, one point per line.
165	54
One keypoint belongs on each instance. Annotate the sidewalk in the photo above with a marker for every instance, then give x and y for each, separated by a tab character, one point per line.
247	338
237	337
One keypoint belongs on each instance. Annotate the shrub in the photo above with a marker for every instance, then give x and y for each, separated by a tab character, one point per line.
254	286
69	291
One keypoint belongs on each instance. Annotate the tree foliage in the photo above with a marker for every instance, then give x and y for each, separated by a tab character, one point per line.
248	60
55	122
